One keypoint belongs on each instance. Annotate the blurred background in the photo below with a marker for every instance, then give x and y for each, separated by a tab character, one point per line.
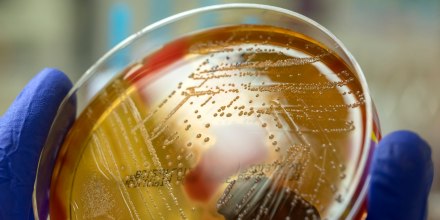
396	42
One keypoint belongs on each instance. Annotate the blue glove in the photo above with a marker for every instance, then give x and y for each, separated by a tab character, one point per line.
23	131
401	177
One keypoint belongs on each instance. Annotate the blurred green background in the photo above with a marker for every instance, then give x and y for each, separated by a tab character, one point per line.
397	43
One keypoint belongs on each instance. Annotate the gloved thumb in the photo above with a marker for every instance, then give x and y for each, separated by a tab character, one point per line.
401	178
23	131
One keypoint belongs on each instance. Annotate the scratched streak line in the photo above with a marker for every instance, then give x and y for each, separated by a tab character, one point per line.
206	101
295	61
130	147
285	170
322	168
99	133
127	144
162	125
152	202
141	123
153	153
99	156
298	87
157	131
149	115
228	74
316	124
125	104
295	127
114	115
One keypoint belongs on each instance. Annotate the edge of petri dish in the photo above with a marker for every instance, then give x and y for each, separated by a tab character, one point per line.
368	102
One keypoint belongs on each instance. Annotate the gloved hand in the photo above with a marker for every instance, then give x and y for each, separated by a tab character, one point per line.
23	131
401	177
401	172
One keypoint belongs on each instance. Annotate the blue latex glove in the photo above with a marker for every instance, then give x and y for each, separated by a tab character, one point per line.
401	177
23	131
401	173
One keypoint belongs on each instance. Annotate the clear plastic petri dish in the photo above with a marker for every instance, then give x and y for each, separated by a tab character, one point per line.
235	111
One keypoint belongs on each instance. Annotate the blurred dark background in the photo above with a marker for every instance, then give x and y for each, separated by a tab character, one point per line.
396	42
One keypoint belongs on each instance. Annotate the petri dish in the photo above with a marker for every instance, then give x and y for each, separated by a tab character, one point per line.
234	111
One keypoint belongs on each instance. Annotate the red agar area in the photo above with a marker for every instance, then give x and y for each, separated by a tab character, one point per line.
235	150
169	54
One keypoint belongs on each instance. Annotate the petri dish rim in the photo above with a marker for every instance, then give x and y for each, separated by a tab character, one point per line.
366	147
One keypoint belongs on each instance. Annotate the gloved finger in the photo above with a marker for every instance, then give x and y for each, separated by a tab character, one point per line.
23	131
401	178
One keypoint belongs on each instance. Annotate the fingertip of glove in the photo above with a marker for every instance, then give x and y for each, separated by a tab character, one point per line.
55	78
404	136
403	158
405	146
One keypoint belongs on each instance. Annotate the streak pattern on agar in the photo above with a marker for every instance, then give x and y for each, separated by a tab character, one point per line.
243	126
